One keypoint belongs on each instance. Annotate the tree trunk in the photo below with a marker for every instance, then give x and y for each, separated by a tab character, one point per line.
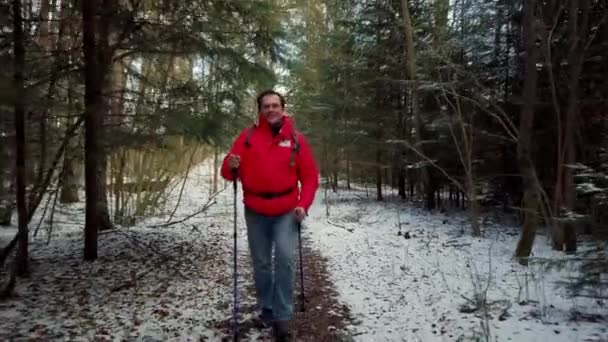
69	181
451	196
424	176
93	106
43	33
388	182
401	177
102	173
430	192
401	183
531	200
505	177
21	267
564	195
45	43
379	195
42	115
499	56
102	167
347	170
473	205
335	180
438	198
119	208
400	153
578	39
441	11
7	181
115	103
104	63
412	183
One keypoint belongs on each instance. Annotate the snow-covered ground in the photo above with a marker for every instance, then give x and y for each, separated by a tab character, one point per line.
175	283
410	283
149	283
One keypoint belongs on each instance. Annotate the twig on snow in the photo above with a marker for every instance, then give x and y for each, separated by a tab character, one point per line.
46	207
350	230
455	244
142	243
165	257
132	282
50	232
52	196
10	287
7	250
205	207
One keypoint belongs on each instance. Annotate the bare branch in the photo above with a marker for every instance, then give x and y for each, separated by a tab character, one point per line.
210	202
430	161
350	230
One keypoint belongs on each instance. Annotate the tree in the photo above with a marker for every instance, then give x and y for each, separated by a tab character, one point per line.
92	112
6	176
135	107
578	38
531	200
106	24
44	42
21	267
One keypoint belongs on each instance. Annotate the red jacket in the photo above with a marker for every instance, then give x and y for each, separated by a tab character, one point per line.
266	167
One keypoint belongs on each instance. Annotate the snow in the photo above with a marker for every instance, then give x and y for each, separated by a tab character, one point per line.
588	188
175	283
412	289
182	273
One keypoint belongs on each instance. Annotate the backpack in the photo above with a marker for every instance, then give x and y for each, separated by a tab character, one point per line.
294	150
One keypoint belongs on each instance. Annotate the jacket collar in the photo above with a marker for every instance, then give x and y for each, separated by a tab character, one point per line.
287	128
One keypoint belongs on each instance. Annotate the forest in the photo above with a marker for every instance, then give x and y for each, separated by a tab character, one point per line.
490	116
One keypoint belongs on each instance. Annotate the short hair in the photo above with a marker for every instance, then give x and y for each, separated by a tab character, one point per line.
270	92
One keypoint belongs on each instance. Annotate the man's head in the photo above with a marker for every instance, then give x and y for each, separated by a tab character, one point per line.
271	105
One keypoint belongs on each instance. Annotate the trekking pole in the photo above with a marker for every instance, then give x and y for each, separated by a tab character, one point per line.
302	294
235	322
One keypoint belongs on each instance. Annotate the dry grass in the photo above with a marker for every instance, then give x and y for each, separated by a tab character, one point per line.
142	178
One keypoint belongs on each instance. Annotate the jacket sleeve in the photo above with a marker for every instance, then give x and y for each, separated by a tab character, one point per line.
238	147
308	173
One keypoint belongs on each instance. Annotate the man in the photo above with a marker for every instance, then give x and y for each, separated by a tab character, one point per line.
270	159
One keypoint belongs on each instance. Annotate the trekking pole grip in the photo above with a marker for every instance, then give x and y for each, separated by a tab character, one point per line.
235	173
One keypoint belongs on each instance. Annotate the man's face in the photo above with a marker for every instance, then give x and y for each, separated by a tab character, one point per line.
271	108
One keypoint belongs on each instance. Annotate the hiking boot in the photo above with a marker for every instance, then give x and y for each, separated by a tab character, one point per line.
263	320
266	316
281	331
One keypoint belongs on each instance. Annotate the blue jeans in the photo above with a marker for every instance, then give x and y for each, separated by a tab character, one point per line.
274	287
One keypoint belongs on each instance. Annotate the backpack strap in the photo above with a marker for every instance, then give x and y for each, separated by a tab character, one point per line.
248	136
296	148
